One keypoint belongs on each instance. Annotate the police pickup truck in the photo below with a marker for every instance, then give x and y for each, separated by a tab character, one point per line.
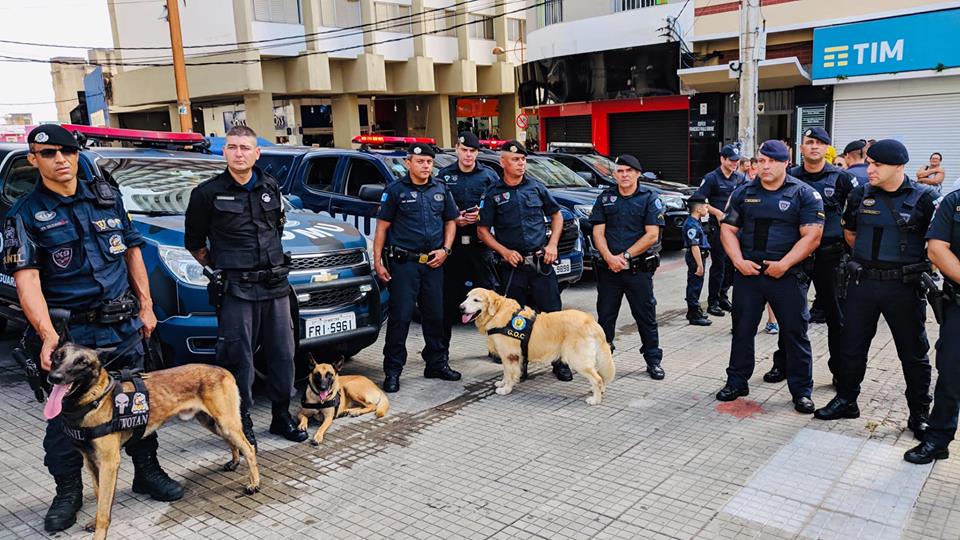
347	184
339	306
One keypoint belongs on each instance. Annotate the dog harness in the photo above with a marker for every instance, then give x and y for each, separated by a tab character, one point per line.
520	328
332	402
131	410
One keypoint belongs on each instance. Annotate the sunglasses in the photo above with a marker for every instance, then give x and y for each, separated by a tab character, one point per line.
50	153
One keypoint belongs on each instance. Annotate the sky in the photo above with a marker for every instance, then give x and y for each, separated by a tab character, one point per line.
61	22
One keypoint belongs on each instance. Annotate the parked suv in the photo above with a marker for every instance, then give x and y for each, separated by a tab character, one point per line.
339	306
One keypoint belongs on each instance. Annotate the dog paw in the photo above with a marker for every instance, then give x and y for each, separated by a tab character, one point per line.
504	390
499	383
250	490
593	401
231	465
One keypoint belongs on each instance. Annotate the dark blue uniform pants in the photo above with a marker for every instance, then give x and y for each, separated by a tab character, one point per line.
721	271
823	281
694	282
942	426
638	288
61	456
788	298
245	324
413	284
467	267
532	287
906	314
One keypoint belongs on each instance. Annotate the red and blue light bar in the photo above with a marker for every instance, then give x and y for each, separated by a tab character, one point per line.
134	135
383	140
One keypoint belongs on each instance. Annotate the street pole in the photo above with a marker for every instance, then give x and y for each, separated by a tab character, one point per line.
179	68
749	30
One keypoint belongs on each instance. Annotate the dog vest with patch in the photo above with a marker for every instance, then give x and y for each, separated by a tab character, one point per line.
131	410
520	328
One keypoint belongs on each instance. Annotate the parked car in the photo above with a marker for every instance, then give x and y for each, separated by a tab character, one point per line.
338	304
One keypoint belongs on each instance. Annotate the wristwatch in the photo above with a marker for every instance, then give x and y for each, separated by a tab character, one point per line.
447	250
626	255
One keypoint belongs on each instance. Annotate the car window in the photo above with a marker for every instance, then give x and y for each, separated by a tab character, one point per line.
159	185
320	173
21	178
493	164
603	165
277	166
361	172
553	173
573	163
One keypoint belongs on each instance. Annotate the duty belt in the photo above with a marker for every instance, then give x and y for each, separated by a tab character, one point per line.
256	276
404	255
109	312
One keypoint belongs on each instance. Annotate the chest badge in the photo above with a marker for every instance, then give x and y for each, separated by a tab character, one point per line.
518	323
266	197
438	196
413	195
101	224
612	199
44	215
62	257
829	191
116	245
784	206
869	202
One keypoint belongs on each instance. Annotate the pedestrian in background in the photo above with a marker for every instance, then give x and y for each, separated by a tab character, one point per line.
932	174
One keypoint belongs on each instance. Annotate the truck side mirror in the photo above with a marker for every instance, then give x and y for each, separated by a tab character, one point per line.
371	192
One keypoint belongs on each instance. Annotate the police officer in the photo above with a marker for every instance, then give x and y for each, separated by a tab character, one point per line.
885	223
834	185
855	155
415	232
943	248
71	246
626	231
716	187
516	207
471	263
240	214
698	249
773	223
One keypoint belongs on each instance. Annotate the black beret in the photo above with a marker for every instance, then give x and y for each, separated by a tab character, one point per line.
52	134
775	149
854	146
696	199
421	149
730	152
819	134
514	147
630	161
468	139
889	152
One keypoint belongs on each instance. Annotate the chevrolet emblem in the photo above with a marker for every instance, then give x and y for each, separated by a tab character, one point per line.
323	277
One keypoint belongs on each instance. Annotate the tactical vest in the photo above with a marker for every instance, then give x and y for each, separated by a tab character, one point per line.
771	224
520	328
826	185
131	411
887	229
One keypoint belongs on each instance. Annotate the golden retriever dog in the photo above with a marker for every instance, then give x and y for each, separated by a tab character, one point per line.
330	395
569	335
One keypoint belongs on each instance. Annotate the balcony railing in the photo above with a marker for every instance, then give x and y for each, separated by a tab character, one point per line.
626	5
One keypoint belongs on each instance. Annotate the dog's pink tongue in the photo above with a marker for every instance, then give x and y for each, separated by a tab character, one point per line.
323	395
466	318
55	401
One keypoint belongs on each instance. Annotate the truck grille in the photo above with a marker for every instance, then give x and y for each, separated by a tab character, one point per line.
568	237
332	298
330	260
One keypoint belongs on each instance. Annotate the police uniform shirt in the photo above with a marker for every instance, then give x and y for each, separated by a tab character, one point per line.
517	214
770	221
626	217
859	171
945	224
716	187
834	186
468	188
693	234
417	214
877	242
78	248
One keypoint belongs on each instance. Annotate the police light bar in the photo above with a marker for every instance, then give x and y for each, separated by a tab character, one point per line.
135	135
495	144
383	140
555	146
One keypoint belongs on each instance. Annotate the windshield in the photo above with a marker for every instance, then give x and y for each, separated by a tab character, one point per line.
398	169
554	174
160	186
602	164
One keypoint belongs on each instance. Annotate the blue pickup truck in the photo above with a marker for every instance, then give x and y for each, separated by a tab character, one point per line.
339	304
346	184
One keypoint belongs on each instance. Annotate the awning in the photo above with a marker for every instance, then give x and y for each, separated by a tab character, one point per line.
774	74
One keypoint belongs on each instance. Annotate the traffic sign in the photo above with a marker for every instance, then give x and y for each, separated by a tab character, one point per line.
522	121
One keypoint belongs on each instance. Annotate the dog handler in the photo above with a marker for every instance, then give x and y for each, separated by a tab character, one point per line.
70	245
626	230
240	213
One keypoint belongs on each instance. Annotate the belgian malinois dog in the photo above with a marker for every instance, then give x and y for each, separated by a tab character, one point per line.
207	392
330	395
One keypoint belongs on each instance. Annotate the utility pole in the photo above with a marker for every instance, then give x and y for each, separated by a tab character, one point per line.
749	32
179	67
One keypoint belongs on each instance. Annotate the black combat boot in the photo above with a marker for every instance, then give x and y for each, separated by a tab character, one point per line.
247	424
149	478
696	317
282	423
917	423
63	510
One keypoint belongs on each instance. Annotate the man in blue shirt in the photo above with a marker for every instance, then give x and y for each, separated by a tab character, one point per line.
415	231
698	249
772	224
855	155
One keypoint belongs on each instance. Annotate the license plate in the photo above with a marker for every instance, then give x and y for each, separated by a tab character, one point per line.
331	324
563	266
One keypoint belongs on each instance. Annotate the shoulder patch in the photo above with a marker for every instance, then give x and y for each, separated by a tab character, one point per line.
384	197
816	195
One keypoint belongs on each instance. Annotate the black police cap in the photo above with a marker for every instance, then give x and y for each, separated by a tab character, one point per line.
52	134
629	161
730	152
819	134
889	152
854	146
421	149
468	139
514	147
696	199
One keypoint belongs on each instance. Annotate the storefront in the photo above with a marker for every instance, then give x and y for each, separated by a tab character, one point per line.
895	78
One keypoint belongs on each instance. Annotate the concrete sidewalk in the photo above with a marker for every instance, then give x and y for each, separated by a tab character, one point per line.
658	459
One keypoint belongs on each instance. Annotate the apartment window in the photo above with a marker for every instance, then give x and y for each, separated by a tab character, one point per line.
480	27
440	23
516	29
551	12
346	13
393	17
277	11
625	5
